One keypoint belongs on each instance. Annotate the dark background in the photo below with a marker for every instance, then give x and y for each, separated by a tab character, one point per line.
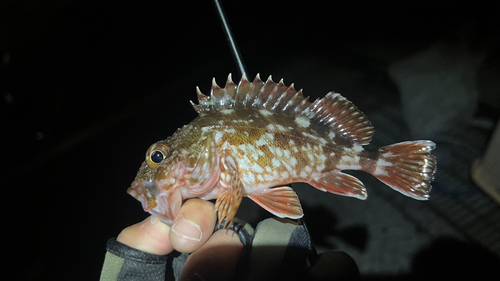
86	89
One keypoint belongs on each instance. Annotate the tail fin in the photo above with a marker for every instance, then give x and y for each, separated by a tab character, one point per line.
407	167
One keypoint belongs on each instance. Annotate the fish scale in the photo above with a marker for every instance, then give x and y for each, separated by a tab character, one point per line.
255	138
267	148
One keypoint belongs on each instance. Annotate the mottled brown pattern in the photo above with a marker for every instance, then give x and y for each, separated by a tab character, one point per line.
252	139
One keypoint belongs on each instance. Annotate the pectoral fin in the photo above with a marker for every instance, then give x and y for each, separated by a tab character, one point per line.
280	201
229	201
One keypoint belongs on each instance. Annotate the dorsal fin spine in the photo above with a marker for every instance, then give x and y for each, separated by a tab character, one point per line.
333	111
282	99
229	79
216	94
254	90
265	91
202	99
242	89
301	106
274	95
196	107
230	92
292	103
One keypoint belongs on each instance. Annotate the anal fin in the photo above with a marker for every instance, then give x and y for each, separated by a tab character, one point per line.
340	183
281	201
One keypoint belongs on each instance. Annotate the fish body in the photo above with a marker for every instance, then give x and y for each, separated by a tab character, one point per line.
255	138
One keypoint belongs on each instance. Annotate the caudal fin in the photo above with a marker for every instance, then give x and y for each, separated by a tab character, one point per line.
407	167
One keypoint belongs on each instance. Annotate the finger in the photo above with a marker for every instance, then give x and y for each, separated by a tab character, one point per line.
193	225
216	259
150	235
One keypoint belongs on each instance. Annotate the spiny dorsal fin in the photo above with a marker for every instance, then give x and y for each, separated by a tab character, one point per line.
258	94
333	111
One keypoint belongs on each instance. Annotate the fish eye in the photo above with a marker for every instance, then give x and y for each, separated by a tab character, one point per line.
156	154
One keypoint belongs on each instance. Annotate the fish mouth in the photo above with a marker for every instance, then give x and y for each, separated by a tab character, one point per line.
164	205
140	190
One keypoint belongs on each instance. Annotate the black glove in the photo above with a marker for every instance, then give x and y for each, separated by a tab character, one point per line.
277	249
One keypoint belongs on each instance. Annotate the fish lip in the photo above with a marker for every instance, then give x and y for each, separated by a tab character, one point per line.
138	187
165	209
137	191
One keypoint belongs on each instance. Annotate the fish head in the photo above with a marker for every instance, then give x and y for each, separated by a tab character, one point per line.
157	184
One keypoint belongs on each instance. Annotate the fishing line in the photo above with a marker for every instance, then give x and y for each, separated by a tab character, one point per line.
312	253
230	39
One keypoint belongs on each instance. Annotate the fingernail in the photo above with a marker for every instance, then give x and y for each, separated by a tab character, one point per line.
158	225
187	229
153	219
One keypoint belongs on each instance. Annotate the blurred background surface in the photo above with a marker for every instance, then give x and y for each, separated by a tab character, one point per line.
86	89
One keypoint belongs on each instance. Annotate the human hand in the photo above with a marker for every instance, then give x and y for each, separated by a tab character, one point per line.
214	255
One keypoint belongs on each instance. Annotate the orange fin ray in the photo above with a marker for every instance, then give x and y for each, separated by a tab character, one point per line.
229	201
280	201
342	117
227	205
407	167
340	183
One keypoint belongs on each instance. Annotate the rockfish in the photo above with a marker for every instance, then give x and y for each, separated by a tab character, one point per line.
255	138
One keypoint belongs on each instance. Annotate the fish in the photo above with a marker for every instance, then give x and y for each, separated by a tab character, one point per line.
253	139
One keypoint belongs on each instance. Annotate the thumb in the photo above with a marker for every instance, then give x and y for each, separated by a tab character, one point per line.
150	236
